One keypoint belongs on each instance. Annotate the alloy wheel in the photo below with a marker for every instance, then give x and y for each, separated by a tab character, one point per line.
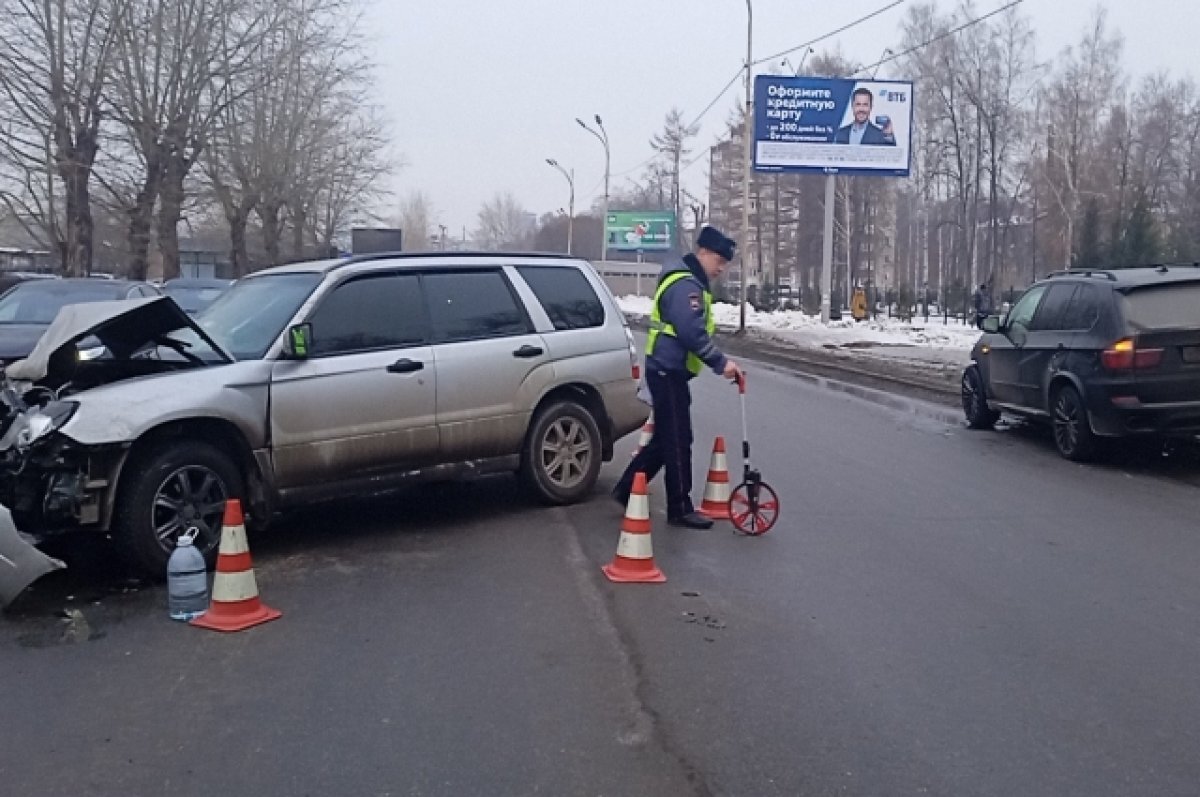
192	496
566	452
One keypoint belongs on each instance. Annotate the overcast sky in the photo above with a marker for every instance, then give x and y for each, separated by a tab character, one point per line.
480	92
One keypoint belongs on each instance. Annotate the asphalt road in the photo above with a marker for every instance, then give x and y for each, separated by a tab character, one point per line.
938	612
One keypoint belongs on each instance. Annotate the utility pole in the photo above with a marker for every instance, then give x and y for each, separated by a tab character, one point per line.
748	134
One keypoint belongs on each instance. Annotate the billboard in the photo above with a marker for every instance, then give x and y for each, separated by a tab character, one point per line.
832	125
644	231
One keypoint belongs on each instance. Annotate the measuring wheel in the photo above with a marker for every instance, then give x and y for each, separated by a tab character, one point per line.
753	507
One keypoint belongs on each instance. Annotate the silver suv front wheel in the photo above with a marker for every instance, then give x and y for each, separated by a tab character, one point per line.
561	460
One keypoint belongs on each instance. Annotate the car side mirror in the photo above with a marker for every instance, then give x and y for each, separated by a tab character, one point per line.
991	324
298	342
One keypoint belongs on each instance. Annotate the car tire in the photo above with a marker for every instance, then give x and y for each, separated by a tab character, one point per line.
562	454
974	401
166	489
1073	436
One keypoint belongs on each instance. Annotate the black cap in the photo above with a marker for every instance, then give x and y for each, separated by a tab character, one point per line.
714	240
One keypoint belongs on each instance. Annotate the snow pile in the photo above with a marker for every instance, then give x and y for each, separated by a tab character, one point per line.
950	341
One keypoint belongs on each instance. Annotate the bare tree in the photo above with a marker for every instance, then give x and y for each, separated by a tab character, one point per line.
672	146
55	57
504	224
416	218
178	64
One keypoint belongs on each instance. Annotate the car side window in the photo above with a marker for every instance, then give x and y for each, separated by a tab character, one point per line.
565	293
368	313
470	305
1022	313
1084	310
1051	314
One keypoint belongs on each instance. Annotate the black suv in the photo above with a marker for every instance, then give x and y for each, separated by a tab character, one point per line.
1096	353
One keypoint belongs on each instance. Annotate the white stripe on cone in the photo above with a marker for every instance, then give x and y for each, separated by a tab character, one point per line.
233	540
638	507
229	587
635	546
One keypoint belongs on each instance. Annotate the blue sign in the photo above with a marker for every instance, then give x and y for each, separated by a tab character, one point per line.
832	125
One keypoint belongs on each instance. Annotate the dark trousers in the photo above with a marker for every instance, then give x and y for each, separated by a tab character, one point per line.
671	445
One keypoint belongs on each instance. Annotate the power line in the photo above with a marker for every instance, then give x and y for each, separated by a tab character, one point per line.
842	29
817	40
941	36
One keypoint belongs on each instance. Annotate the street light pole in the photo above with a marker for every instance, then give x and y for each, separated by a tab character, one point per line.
747	134
571	206
603	136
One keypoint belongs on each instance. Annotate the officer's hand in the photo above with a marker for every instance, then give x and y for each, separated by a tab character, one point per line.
732	371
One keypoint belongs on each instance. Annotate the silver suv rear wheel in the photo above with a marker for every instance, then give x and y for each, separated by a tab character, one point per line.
563	449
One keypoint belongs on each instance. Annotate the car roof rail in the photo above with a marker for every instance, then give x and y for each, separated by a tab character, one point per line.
473	254
1086	272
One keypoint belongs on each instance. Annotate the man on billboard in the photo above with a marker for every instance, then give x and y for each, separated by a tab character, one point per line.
861	131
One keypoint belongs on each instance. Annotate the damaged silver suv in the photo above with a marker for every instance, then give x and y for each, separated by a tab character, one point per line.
313	381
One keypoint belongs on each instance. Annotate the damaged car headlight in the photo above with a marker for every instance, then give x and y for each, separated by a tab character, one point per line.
44	420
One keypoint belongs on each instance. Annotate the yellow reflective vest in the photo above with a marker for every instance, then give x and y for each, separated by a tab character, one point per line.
694	364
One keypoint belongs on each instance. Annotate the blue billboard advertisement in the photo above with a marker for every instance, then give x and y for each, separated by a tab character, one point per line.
832	125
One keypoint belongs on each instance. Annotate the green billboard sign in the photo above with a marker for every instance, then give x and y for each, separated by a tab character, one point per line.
640	231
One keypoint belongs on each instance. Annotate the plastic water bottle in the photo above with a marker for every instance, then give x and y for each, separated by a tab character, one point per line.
187	579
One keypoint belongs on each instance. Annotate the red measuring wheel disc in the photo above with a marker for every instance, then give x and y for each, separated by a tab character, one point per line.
748	518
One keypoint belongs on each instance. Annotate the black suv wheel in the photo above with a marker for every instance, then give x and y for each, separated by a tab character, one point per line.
1072	428
167	490
974	401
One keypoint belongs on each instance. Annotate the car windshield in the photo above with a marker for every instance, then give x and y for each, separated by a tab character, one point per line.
1164	307
248	318
31	303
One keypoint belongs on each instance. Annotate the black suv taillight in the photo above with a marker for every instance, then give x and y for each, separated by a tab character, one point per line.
1124	355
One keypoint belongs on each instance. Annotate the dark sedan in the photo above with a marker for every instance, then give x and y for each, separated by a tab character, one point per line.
193	294
27	309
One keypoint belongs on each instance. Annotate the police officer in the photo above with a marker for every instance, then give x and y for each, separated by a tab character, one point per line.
679	346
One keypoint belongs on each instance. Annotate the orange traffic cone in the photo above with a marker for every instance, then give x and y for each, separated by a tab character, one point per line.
235	605
646	435
717	491
634	561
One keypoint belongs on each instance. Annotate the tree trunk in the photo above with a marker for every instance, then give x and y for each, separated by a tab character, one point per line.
78	238
272	230
141	217
237	241
169	214
299	220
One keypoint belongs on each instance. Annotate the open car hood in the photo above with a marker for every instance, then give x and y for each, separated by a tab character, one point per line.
122	326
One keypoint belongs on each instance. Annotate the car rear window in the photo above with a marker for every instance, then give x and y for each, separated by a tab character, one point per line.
568	297
1163	307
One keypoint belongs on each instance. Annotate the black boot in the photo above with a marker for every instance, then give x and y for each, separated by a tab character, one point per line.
692	520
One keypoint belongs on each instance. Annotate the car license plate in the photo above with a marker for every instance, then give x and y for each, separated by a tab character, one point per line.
1191	354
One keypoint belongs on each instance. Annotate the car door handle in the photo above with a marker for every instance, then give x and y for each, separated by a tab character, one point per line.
529	351
405	366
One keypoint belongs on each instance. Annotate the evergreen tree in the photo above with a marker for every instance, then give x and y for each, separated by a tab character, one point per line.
1140	243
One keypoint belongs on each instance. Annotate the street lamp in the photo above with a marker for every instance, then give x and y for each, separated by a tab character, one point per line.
571	206
603	137
747	134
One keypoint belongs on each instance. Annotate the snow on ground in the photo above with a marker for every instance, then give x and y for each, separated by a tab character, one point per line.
933	342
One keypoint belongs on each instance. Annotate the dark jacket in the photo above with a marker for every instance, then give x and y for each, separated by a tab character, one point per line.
682	306
872	137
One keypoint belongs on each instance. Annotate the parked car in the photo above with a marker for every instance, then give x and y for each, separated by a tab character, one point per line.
27	309
1097	354
312	381
10	278
193	294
